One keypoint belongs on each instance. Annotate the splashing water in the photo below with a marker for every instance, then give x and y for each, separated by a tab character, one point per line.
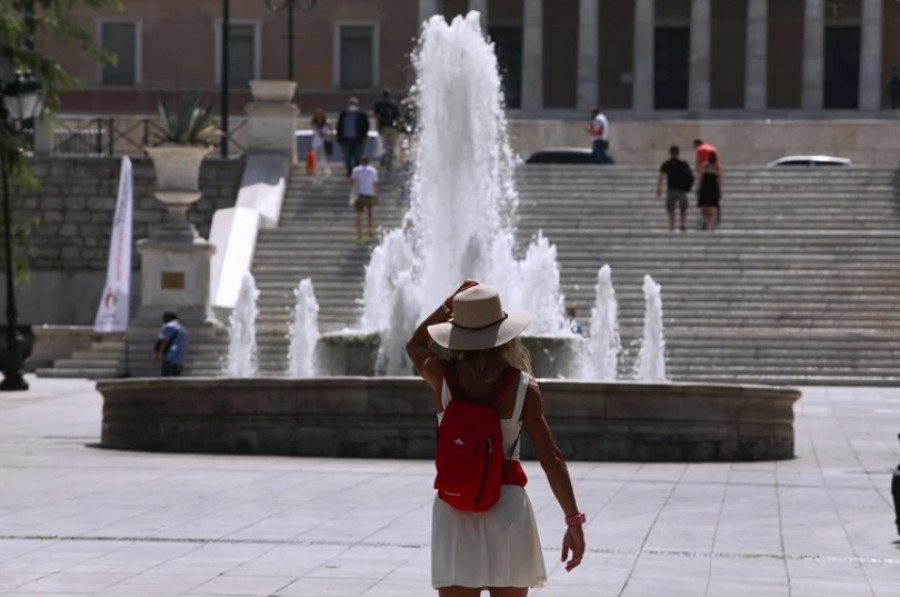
604	344
461	222
651	361
303	332
242	354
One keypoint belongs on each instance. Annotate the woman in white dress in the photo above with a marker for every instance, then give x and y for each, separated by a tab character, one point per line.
498	549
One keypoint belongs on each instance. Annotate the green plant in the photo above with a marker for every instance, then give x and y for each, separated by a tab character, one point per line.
190	124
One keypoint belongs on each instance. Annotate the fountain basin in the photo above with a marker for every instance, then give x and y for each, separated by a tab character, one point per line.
356	353
393	417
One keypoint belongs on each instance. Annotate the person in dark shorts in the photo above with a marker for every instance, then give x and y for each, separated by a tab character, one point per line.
679	180
171	346
364	189
711	190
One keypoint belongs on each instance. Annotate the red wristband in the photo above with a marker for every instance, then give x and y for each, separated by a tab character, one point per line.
577	520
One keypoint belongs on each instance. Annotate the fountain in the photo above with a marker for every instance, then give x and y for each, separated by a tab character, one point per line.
242	357
304	332
462	216
604	345
461	224
651	361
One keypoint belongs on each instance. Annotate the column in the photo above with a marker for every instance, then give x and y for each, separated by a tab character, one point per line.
588	54
533	56
870	79
813	55
756	83
427	9
699	85
642	71
482	7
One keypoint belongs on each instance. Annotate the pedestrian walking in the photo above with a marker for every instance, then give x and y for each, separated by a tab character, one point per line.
704	151
711	191
893	88
352	132
387	112
364	194
599	131
679	182
484	533
406	125
322	145
171	346
572	320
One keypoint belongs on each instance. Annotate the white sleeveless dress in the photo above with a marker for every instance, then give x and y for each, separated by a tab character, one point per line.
497	548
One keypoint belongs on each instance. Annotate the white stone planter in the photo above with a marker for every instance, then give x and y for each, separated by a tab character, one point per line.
273	91
178	180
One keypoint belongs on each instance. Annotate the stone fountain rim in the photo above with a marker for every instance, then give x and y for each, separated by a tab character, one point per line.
732	390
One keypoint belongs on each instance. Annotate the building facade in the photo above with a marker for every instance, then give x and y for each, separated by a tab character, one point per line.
679	57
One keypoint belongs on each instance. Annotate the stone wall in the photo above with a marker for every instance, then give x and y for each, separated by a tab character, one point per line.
71	213
72	209
873	143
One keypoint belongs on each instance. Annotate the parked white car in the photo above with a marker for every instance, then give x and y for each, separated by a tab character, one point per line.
811	161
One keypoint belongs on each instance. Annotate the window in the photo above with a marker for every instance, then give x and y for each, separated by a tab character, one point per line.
123	40
243	52
357	56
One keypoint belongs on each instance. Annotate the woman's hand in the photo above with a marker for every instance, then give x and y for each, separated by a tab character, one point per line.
574	541
448	303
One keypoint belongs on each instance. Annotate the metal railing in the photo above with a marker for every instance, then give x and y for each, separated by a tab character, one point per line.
75	136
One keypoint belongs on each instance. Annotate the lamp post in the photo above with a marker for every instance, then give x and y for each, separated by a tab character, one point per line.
21	101
291	6
223	69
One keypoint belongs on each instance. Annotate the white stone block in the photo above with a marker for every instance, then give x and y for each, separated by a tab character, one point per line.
233	233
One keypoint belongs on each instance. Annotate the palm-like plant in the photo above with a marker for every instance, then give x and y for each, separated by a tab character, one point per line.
190	124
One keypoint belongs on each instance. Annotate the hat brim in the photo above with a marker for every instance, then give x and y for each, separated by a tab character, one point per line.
453	337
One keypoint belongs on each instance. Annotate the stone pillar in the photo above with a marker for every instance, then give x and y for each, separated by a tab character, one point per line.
588	54
272	118
870	79
699	87
813	55
482	7
757	82
533	56
427	9
642	71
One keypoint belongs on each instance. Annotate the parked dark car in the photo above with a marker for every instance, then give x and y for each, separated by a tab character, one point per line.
574	155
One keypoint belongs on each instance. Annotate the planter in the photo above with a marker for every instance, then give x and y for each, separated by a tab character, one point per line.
273	91
178	180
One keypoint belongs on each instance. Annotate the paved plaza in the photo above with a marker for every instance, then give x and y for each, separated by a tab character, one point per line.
78	520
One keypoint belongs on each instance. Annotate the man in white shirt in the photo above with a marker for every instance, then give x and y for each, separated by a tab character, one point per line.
599	130
364	189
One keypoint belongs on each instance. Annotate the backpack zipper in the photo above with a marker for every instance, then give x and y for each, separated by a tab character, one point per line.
484	470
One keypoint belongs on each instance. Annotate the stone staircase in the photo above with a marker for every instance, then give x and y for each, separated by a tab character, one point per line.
799	285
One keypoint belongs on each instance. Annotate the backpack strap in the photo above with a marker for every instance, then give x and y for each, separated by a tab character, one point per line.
520	395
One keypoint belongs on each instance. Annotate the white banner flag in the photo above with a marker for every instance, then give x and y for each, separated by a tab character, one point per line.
112	315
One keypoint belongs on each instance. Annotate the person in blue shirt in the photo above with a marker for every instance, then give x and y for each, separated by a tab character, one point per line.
171	346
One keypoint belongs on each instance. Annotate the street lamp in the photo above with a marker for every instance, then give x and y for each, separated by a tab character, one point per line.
21	101
291	6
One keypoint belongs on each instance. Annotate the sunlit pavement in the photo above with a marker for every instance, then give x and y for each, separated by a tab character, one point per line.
78	520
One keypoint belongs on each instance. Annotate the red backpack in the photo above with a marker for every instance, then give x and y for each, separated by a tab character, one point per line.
470	459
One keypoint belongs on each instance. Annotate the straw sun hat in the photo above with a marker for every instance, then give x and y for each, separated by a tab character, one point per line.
479	321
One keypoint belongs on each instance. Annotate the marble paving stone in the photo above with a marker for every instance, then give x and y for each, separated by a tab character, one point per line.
80	521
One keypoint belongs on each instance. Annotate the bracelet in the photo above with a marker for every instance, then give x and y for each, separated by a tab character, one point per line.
577	520
445	309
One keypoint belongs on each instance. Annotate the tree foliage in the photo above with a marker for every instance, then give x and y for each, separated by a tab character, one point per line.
20	49
23	24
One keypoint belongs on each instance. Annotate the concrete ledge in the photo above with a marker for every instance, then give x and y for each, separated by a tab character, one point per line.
378	417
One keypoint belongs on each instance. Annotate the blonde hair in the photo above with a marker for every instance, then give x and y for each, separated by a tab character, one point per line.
474	362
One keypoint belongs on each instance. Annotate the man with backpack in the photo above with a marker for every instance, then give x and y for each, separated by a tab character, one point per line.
679	181
171	346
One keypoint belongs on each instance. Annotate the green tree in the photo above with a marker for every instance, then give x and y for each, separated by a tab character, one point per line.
23	23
